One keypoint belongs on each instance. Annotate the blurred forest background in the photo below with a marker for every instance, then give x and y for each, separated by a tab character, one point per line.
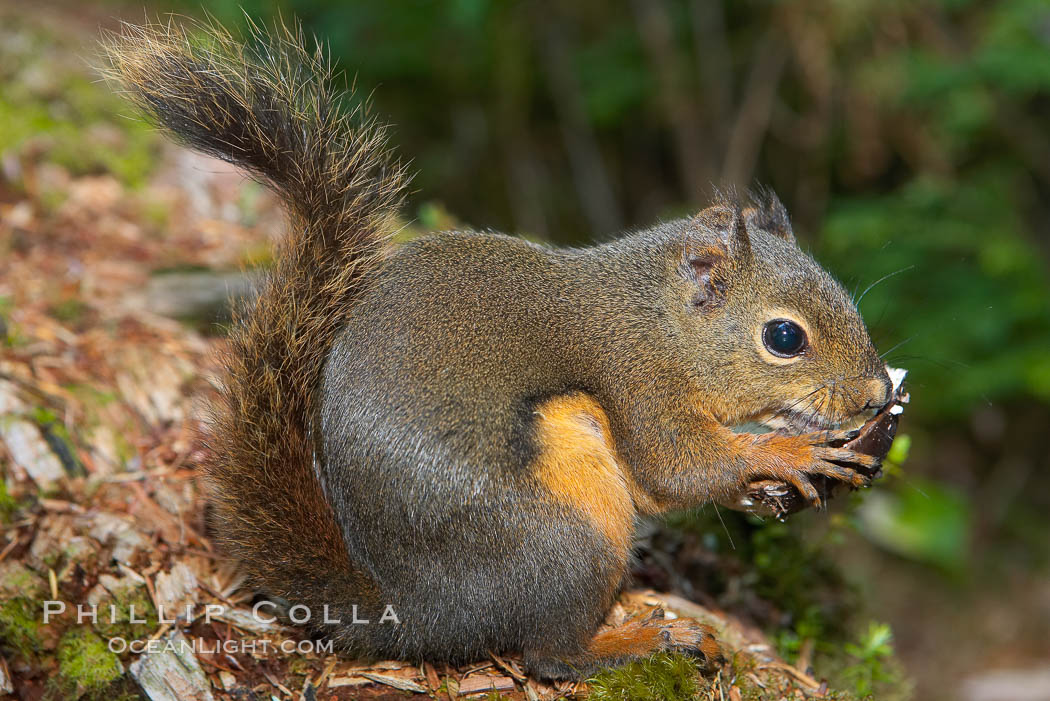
911	143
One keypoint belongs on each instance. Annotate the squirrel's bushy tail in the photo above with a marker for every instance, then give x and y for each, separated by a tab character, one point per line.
268	106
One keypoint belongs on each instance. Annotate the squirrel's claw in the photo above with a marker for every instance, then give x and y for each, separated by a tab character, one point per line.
801	482
847	457
836	437
693	639
842	474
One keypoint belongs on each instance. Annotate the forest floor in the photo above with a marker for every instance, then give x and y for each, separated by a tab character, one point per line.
102	395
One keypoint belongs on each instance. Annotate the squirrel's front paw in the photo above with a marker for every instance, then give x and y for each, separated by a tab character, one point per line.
794	459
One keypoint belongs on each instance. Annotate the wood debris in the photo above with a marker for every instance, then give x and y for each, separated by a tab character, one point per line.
396	682
173	674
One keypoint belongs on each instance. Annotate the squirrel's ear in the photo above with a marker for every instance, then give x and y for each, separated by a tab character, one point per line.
710	261
770	215
705	268
728	223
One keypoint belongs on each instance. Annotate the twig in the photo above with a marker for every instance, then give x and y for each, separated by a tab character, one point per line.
8	548
801	677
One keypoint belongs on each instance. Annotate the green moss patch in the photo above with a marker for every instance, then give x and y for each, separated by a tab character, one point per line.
8	505
662	677
18	580
116	622
20	621
85	664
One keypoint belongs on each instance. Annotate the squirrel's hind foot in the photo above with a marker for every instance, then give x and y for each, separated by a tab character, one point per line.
632	641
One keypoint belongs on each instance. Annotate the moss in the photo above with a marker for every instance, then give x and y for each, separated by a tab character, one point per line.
299	670
59	440
68	114
785	564
741	664
11	336
20	622
77	551
69	311
18	580
85	664
8	504
116	623
42	416
662	677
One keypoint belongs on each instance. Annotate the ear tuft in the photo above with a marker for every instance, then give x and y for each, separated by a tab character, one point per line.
726	220
741	246
769	214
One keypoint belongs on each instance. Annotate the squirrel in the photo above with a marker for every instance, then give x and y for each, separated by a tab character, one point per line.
464	428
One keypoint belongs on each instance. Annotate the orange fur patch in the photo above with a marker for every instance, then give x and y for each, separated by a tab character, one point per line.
631	640
579	465
642	638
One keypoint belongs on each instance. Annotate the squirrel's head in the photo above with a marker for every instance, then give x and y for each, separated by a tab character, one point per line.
779	337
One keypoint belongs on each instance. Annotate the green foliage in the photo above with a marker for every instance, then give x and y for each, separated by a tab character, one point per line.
791	571
788	565
873	667
662	677
920	520
898	453
791	566
810	628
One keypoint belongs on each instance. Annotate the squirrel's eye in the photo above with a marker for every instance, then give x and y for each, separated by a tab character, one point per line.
784	338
